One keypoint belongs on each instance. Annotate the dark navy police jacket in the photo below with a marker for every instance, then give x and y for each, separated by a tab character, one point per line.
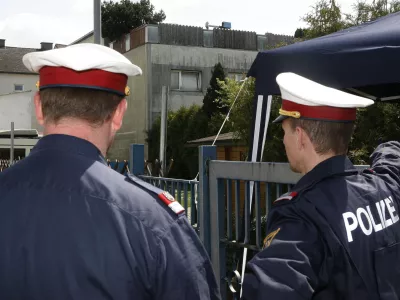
72	228
335	236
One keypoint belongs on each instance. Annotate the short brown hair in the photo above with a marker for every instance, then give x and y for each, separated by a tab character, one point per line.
93	106
326	136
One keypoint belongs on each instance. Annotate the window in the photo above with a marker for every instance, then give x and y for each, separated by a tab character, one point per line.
128	42
18	87
237	76
189	81
175	80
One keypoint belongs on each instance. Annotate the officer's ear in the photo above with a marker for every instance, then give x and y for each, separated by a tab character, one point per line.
118	116
38	108
302	138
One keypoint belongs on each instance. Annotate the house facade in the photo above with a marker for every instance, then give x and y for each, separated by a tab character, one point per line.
17	88
180	58
14	76
18	85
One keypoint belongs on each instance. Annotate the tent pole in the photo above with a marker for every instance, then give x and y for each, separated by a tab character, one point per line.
256	155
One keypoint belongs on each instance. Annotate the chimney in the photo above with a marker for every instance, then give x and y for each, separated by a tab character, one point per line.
46	46
2	44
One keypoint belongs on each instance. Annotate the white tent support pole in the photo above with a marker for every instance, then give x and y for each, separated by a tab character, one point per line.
363	94
390	98
256	146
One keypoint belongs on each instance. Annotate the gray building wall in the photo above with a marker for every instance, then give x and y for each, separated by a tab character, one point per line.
161	49
157	61
134	125
17	108
7	82
165	58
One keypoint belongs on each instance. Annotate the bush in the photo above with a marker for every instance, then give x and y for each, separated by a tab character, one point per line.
182	126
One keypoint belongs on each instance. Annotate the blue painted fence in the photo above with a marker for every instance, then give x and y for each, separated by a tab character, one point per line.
222	210
184	191
187	192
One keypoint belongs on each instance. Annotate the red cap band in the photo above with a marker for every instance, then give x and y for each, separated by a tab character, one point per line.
321	112
94	79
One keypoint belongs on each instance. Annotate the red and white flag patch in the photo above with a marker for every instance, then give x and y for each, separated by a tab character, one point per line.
170	201
289	196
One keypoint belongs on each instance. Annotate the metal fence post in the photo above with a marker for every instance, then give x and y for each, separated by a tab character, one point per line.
136	159
206	153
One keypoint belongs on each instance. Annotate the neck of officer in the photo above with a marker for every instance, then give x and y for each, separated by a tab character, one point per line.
81	129
313	159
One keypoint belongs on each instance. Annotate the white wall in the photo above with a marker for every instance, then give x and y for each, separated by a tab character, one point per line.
7	82
17	108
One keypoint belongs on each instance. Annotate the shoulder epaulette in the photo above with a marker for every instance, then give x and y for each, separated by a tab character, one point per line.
288	196
369	171
164	196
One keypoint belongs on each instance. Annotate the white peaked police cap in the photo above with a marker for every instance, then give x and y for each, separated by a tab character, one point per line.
305	99
84	65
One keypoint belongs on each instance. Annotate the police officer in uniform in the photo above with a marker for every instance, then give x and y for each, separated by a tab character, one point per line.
70	226
336	235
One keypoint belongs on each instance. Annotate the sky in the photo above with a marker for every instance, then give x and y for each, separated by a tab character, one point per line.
27	23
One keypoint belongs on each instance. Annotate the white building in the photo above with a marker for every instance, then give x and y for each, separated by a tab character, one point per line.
17	107
17	88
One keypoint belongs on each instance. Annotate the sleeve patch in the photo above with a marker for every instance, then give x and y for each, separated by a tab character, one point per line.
286	197
268	239
170	201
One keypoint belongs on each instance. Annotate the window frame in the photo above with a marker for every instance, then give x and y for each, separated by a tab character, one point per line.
19	84
235	75
180	88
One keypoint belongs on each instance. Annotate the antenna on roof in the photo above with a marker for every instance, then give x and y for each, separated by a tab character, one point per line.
225	25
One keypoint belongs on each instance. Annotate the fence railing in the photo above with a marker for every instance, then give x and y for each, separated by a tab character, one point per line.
184	191
227	227
236	224
234	228
121	167
5	163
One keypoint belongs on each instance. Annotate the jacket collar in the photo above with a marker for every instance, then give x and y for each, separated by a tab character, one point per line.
336	165
70	144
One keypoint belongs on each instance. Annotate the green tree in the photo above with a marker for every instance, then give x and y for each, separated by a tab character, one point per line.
375	124
242	110
210	104
325	18
118	18
241	117
182	126
365	12
300	33
378	122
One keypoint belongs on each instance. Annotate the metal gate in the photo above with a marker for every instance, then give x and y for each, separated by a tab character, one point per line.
233	228
224	223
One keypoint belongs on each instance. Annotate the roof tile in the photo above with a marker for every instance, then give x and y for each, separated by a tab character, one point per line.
11	60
